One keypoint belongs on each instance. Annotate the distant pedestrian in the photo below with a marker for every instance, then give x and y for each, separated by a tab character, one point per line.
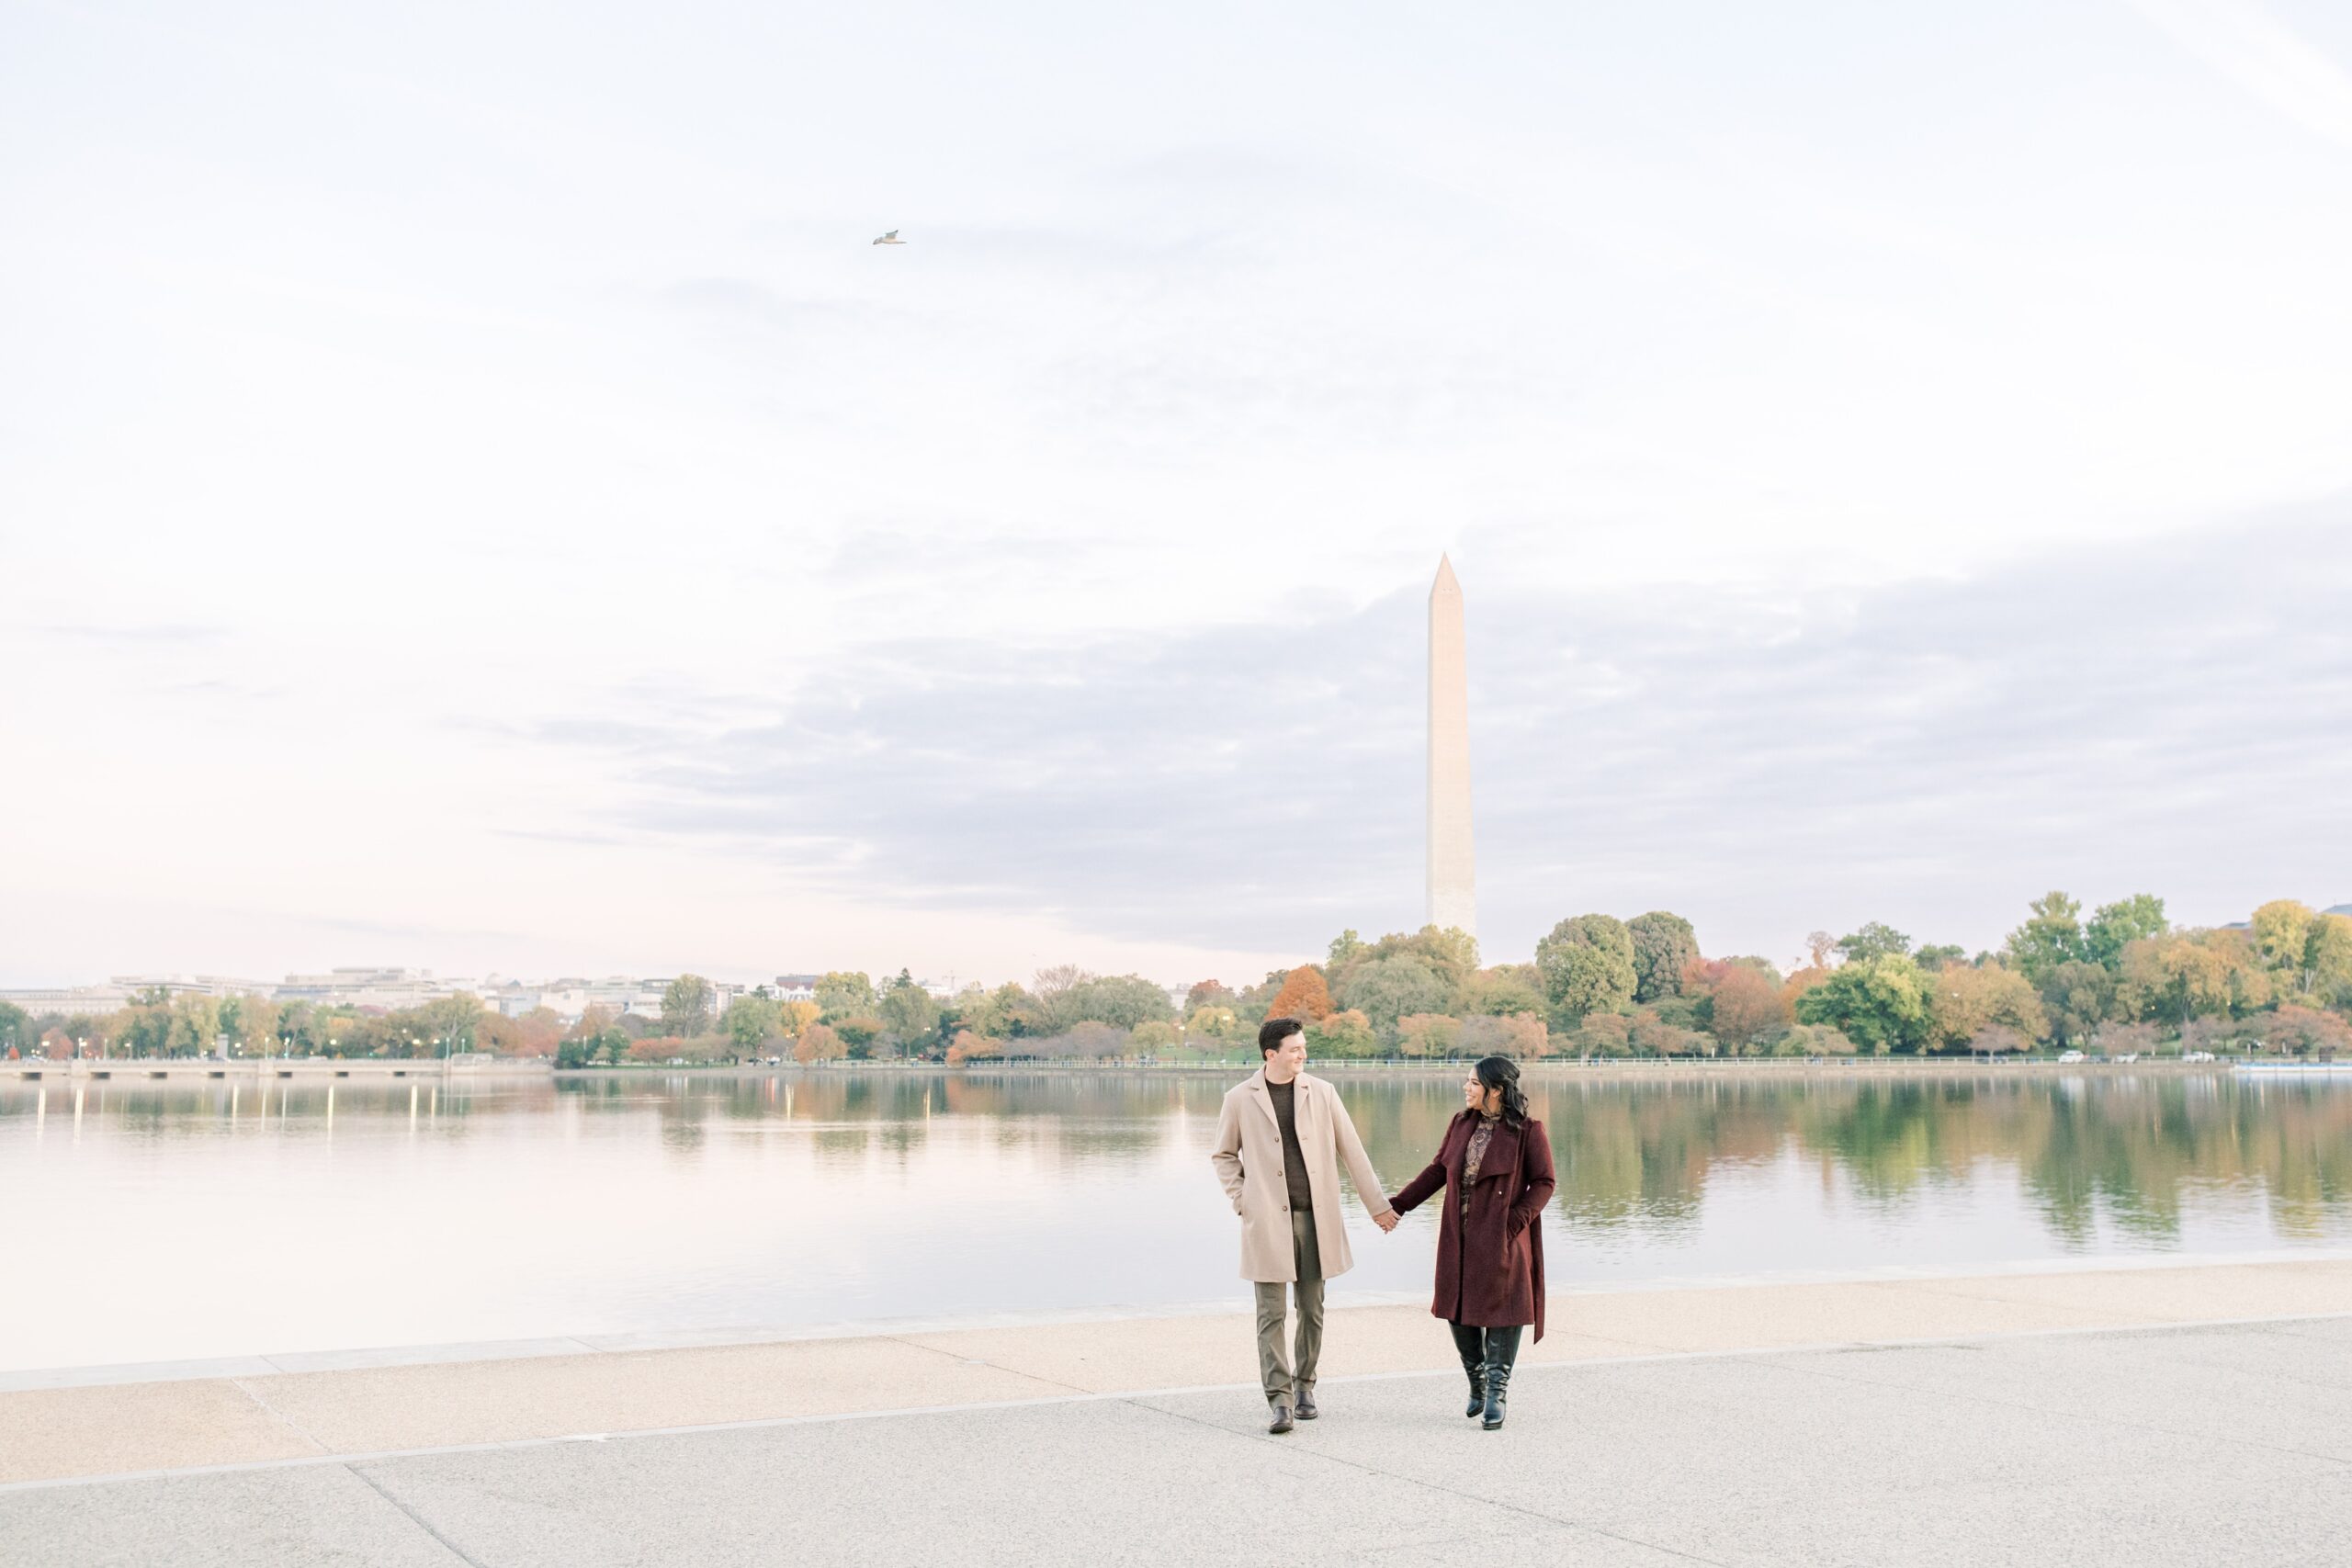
1280	1137
1495	1165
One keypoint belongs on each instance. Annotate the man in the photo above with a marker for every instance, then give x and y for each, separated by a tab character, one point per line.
1279	1140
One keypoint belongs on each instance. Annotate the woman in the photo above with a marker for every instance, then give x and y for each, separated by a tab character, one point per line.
1496	1168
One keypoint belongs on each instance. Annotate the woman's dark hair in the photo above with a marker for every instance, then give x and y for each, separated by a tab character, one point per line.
1502	1073
1274	1031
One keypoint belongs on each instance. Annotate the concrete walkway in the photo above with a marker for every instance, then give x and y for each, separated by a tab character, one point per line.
2143	1417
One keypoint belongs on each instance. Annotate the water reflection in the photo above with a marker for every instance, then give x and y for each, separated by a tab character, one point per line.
489	1209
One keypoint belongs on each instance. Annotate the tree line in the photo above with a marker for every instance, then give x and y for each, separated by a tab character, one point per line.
2120	979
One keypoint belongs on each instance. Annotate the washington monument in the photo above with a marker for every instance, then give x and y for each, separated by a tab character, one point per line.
1454	881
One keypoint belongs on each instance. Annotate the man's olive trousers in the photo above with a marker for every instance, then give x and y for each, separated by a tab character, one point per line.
1274	1369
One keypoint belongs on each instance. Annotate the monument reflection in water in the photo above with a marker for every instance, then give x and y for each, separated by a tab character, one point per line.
175	1222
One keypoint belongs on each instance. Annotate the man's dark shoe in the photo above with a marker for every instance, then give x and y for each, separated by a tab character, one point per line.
1306	1411
1282	1421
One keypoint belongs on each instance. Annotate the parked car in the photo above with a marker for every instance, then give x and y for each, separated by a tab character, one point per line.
2129	1056
2199	1056
2070	1055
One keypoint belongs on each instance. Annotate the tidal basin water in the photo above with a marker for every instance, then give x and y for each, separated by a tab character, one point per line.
170	1223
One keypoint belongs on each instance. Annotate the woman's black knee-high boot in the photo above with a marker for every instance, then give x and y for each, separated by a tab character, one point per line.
1471	1340
1502	1349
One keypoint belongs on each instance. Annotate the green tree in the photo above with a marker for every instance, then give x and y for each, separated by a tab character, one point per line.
15	1029
845	993
252	1024
1008	1012
1504	991
143	1029
1664	946
1875	940
2079	997
1450	947
1881	1004
1813	1040
1123	1001
1343	1035
1251	1005
2113	927
909	1012
2051	936
1346	948
2327	959
1385	989
857	1035
686	1006
597	1036
1939	955
195	1021
1450	953
749	1022
1587	966
450	1025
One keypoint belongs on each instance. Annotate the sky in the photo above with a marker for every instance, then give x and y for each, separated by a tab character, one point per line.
473	497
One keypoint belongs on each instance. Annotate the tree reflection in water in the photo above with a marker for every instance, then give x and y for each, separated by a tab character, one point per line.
2125	1148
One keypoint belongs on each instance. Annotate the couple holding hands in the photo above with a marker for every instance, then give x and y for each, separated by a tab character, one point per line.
1279	1141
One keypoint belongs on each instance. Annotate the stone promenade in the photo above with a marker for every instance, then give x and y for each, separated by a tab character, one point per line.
2144	1417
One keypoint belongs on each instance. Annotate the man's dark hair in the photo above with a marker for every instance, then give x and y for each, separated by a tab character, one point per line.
1274	1031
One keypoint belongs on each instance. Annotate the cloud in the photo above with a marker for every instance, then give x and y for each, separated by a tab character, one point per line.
2261	54
2173	714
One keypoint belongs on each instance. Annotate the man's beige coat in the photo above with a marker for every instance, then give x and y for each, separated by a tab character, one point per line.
1248	1160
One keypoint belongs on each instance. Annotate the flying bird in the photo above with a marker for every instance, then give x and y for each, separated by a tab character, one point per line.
891	239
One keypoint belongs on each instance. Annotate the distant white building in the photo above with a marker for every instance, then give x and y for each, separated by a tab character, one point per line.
512	999
369	988
122	989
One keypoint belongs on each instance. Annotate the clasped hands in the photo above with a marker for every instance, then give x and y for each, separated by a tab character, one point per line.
1385	1221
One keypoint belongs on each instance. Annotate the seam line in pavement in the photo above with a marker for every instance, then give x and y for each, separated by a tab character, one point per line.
413	1516
280	1416
984	1361
1589	1363
1520	1509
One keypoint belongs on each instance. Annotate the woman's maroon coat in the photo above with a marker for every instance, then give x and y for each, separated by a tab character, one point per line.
1490	1263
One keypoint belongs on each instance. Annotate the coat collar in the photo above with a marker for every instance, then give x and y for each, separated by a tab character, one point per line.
1258	1091
1502	1149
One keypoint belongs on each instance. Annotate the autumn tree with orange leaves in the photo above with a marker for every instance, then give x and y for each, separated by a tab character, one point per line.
1304	995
